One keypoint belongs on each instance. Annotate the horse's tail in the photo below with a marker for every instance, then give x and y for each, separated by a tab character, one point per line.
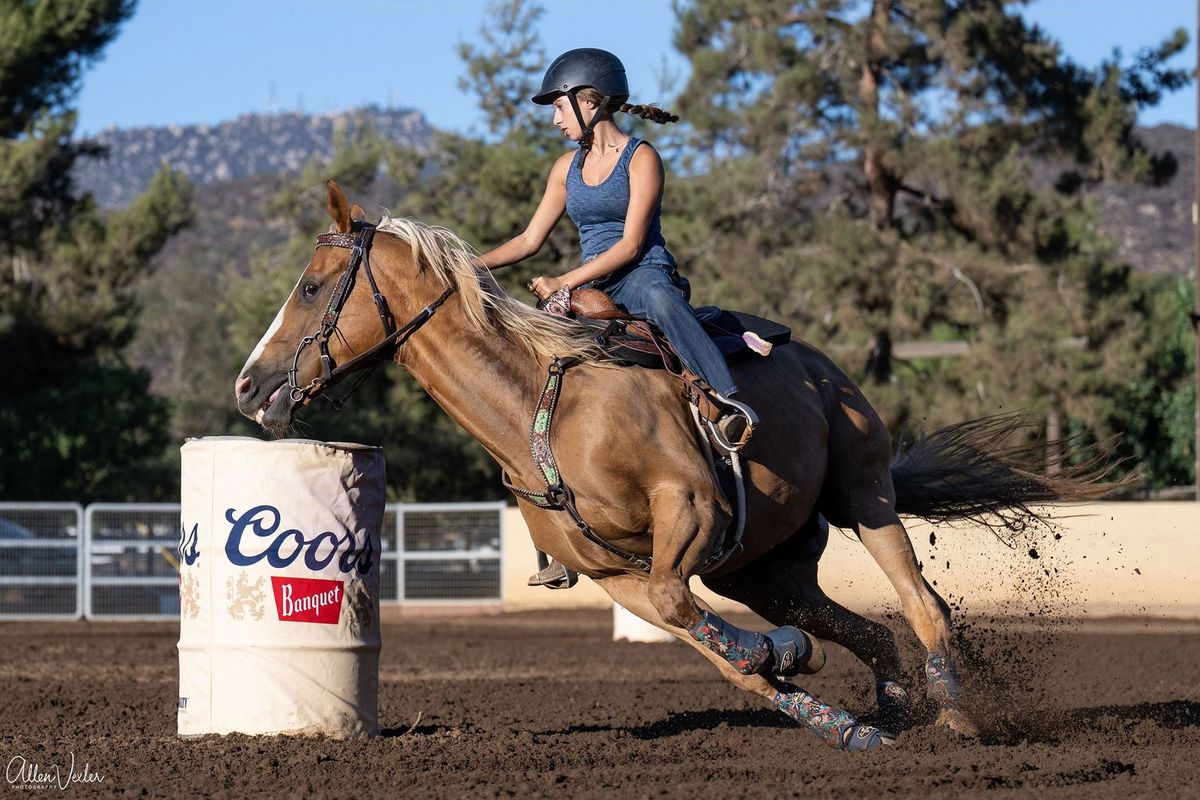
970	471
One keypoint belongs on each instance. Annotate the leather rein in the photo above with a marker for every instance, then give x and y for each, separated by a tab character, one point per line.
359	244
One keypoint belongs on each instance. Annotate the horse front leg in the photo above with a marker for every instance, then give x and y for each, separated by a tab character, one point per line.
686	536
835	727
753	661
783	588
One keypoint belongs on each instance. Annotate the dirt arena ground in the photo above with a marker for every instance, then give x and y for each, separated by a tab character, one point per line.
546	705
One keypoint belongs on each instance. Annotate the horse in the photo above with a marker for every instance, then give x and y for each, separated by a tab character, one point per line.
639	478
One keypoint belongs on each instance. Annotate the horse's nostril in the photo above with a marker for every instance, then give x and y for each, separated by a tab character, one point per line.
242	386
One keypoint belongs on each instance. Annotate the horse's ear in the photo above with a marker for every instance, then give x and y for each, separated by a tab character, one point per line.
357	214
339	206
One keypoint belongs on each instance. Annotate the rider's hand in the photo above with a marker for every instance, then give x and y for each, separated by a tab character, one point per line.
543	286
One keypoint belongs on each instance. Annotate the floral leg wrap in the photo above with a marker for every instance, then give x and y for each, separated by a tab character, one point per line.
891	698
943	681
748	651
835	727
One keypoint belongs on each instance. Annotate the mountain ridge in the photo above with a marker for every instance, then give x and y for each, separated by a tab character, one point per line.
244	147
1150	225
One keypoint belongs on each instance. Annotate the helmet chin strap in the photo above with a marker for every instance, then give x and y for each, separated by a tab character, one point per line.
585	141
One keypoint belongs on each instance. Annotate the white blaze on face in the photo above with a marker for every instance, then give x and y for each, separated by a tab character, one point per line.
262	344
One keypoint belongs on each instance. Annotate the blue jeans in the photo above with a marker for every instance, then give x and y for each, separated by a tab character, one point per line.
661	296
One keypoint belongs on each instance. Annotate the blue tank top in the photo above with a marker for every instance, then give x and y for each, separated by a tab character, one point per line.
599	213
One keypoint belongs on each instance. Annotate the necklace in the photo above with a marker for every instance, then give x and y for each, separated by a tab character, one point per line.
613	149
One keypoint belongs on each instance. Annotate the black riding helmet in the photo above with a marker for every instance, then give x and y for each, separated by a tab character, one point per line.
586	66
575	69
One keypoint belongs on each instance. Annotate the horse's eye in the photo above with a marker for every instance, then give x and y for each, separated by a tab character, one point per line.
309	290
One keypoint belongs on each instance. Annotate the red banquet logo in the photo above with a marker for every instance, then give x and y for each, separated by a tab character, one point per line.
307	599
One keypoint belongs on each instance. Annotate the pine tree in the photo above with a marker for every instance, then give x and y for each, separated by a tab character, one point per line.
68	286
869	173
486	189
501	71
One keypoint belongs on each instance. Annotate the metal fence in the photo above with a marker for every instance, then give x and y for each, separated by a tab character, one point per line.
120	560
42	570
131	560
443	553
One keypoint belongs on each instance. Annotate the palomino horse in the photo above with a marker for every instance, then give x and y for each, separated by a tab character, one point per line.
627	445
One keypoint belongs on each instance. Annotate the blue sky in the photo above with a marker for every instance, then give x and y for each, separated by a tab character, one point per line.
205	61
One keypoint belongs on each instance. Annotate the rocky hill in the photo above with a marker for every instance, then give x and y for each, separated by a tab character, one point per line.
251	145
1152	225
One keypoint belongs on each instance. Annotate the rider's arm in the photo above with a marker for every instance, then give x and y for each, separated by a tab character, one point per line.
549	212
645	191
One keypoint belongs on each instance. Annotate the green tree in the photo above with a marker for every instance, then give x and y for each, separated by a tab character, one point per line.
868	172
1158	412
486	189
76	422
501	71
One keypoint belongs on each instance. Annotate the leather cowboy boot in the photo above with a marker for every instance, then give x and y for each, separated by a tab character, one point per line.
552	574
735	426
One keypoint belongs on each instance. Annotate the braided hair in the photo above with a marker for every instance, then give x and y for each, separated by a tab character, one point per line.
652	113
645	111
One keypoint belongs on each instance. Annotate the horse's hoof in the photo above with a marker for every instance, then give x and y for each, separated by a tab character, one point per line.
794	652
958	722
866	737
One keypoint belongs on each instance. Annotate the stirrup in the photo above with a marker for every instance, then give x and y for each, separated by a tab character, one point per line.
734	410
554	576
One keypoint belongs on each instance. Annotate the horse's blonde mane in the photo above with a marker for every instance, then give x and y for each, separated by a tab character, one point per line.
488	309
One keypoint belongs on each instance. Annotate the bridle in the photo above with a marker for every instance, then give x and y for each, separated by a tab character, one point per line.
359	244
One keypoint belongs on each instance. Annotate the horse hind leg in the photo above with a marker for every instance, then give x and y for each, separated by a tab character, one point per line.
860	495
927	613
835	727
784	590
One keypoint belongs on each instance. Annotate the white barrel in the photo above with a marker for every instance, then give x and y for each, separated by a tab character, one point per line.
632	628
279	587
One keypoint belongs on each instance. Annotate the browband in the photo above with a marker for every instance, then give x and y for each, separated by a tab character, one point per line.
346	240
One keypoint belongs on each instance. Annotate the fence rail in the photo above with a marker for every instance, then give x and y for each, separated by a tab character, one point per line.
42	569
117	561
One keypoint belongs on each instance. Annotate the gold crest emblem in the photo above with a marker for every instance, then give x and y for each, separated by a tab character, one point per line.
246	600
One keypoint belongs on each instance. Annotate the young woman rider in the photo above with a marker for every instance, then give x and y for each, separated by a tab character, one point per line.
612	189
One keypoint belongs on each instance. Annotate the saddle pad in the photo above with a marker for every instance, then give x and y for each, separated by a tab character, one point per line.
728	328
